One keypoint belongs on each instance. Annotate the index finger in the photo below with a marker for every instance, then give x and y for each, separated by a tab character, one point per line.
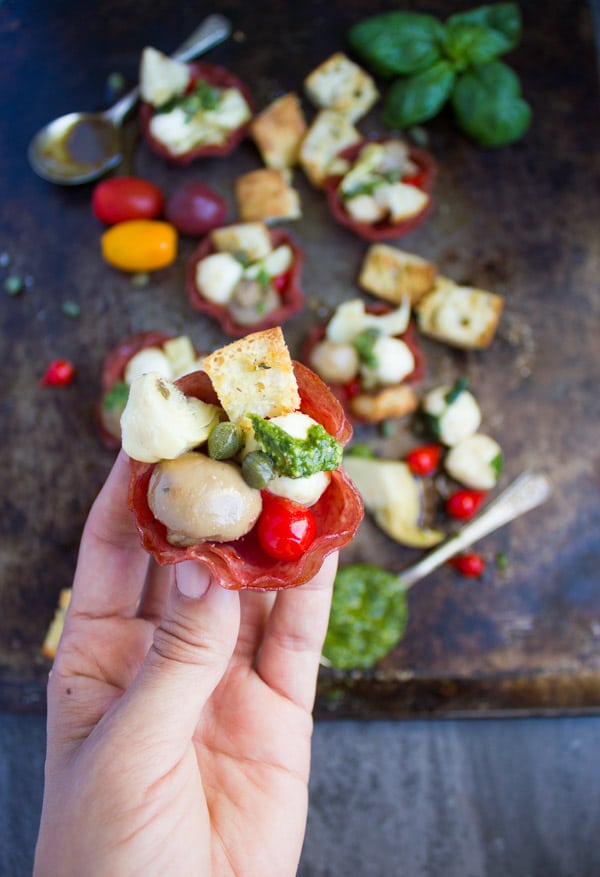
112	565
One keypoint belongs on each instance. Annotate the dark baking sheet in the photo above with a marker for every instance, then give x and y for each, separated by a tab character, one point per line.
523	220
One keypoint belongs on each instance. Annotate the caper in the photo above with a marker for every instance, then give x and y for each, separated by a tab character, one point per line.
257	469
225	441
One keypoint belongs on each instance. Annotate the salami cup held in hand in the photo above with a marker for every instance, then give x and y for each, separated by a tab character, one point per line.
238	466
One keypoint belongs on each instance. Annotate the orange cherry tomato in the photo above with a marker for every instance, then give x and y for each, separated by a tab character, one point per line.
140	245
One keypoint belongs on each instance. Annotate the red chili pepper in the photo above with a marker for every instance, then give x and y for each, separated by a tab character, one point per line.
471	565
59	373
464	503
281	281
419	179
424	460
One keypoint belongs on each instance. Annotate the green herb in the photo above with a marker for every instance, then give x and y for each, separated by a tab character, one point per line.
263	277
14	284
364	343
294	457
243	258
140	280
367	187
369	614
497	465
70	308
203	97
360	449
116	398
455	62
501	560
459	387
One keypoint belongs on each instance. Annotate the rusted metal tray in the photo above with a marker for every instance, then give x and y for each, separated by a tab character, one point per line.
523	220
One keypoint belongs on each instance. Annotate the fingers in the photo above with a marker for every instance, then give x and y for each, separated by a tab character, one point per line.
159	580
288	660
191	650
112	565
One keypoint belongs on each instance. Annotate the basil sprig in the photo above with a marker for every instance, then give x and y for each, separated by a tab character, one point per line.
434	63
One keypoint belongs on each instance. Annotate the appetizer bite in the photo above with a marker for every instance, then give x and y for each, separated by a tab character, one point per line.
192	110
380	188
170	357
238	466
246	276
369	358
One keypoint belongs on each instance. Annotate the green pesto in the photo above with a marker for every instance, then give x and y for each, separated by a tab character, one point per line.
293	457
116	398
368	617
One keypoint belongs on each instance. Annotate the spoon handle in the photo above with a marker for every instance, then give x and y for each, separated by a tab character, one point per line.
526	492
212	31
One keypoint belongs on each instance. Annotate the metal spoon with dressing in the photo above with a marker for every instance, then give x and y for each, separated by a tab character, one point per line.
80	147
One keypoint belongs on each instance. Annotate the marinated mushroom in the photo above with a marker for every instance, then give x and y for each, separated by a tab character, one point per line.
199	499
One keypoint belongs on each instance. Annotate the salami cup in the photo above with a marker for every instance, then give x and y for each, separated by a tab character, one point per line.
243	563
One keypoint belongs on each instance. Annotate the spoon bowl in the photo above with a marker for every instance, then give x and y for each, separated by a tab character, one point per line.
80	147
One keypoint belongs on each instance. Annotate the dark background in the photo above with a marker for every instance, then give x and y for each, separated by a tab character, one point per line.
510	796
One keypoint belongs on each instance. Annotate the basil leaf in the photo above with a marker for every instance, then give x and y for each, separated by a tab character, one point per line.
503	18
419	97
369	614
398	42
488	105
468	44
364	344
459	386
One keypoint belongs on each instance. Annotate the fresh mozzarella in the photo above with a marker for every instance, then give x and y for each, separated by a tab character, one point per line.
160	423
476	462
179	133
151	359
401	200
335	361
364	208
394	359
231	111
350	319
217	276
306	491
181	355
161	78
456	420
274	263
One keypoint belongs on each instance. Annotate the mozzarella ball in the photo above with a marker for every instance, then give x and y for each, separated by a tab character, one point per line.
335	361
455	420
151	359
217	276
395	361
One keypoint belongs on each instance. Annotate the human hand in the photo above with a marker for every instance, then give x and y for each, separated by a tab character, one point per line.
179	715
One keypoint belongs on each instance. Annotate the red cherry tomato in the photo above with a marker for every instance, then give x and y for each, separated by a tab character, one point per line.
418	179
424	460
59	373
123	198
471	565
464	503
194	209
281	281
285	529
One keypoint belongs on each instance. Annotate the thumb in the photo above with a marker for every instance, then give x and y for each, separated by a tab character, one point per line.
190	653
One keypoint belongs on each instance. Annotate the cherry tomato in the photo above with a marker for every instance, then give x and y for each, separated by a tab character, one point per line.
285	528
419	179
471	565
281	281
464	503
194	209
123	198
140	245
59	373
424	460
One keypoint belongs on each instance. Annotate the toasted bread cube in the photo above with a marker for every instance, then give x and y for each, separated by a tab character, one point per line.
329	134
55	628
279	130
251	238
254	376
393	274
341	85
396	401
266	194
462	316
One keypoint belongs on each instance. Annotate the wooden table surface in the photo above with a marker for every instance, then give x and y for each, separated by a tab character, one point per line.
522	220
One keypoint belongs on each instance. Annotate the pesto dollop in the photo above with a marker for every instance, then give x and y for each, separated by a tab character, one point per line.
368	617
295	457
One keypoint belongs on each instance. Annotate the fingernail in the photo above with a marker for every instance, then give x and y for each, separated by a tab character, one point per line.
192	579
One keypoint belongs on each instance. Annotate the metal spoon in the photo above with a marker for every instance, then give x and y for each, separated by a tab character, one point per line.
49	152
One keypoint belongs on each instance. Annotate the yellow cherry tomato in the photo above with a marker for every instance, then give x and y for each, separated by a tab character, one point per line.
140	245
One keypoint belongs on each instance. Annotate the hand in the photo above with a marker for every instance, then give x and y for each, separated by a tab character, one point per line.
179	715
